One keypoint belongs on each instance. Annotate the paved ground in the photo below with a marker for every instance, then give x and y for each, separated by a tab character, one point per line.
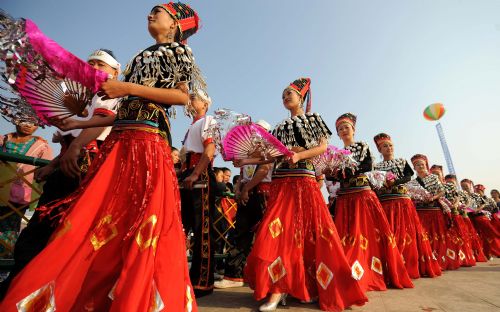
467	289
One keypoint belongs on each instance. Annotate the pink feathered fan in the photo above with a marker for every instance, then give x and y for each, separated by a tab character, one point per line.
247	141
53	81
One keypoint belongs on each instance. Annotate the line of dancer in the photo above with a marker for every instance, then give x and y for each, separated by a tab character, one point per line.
110	234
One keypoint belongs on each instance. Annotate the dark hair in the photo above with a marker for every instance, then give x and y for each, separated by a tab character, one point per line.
226	169
494	190
173	149
217	170
109	52
450	176
236	178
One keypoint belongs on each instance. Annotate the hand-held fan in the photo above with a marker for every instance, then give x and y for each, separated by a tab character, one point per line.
333	161
53	81
246	141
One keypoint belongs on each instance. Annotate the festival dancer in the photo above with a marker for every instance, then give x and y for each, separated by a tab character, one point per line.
434	216
369	244
465	201
411	239
297	250
198	204
458	231
63	174
120	246
252	192
482	223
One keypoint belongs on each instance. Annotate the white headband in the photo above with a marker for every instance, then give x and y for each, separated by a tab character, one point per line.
264	124
103	56
203	96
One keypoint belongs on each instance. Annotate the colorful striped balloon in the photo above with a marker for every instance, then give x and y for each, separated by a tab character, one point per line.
434	111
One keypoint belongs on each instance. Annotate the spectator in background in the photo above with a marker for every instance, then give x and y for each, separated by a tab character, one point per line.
18	193
496	197
176	159
227	179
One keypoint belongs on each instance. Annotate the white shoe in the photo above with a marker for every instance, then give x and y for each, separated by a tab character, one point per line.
225	283
271	306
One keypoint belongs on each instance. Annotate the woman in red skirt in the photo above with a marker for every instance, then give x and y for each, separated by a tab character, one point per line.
411	240
120	246
297	250
459	233
465	201
434	216
481	219
369	244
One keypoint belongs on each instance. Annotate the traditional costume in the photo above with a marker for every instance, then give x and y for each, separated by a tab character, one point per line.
436	220
198	207
458	232
481	219
247	218
401	213
58	185
465	202
369	243
297	249
120	246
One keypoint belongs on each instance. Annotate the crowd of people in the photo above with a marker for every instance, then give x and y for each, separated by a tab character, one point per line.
109	232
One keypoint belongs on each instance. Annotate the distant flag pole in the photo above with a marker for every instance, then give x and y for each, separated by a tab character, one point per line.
434	112
446	150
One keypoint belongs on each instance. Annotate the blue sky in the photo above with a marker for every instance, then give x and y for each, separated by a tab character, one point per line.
382	60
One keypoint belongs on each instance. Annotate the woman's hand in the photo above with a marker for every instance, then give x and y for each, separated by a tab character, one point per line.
294	158
42	173
116	89
65	124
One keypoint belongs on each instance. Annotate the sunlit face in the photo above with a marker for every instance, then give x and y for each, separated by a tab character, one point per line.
219	176
386	149
345	131
160	22
495	194
466	186
175	157
197	105
227	176
291	99
421	168
102	66
480	192
26	128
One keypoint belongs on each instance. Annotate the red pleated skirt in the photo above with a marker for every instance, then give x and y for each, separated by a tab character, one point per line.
369	244
465	254
475	241
121	246
297	249
411	240
490	237
444	247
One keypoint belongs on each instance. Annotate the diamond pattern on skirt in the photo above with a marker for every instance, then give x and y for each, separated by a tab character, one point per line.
357	271
276	270
461	255
103	232
323	275
450	253
275	227
377	265
39	300
363	242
